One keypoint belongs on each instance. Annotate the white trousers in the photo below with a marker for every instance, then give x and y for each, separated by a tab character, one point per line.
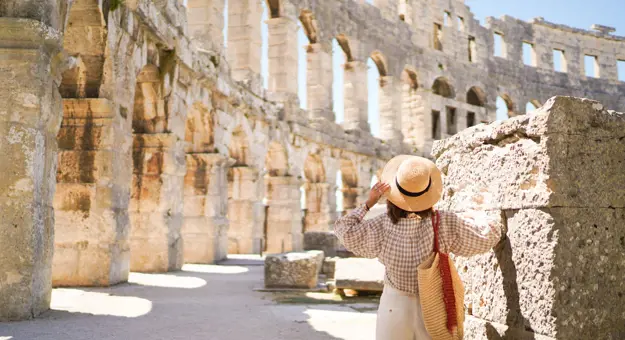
400	317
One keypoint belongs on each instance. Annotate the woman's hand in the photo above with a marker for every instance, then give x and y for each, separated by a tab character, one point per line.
376	192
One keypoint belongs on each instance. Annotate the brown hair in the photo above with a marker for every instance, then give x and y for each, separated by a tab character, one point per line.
395	213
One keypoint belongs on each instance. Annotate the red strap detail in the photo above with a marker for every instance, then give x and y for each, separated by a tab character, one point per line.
449	298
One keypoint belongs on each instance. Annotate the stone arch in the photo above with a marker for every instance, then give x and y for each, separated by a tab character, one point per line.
149	114
199	134
274	8
344	43
239	147
380	61
307	18
85	40
409	77
442	87
508	110
476	96
276	160
314	171
349	173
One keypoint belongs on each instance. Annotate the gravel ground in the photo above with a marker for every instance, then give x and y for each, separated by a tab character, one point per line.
213	302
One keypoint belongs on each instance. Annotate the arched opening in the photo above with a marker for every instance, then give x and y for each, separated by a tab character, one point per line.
302	64
339	58
441	87
373	95
532	105
476	96
505	107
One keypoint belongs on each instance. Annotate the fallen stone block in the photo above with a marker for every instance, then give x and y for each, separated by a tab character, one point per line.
329	267
293	270
321	240
359	274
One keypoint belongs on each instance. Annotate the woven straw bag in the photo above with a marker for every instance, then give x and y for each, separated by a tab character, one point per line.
441	293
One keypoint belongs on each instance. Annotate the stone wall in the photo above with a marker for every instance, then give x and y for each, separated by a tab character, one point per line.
170	149
555	177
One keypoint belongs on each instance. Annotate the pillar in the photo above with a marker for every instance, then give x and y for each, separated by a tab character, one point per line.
284	215
390	108
206	23
205	227
31	114
244	39
91	210
282	55
318	211
319	82
356	96
246	211
156	203
352	197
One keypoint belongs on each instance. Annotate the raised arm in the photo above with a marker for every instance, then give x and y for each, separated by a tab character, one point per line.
363	238
469	234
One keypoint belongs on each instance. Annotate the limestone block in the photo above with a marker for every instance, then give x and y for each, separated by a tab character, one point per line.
321	240
329	267
205	239
293	270
359	274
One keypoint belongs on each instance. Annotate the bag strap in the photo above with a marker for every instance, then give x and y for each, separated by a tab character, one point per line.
436	219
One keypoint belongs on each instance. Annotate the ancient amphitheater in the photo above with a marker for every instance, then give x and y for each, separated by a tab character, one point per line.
137	137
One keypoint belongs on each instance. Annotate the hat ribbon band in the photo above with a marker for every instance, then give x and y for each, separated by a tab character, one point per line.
412	194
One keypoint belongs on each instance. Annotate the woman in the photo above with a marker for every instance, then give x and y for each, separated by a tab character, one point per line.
403	238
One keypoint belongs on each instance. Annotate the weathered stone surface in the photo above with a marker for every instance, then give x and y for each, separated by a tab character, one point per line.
321	240
554	178
359	274
329	267
293	270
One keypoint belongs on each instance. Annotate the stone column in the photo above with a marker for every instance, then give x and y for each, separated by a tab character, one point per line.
30	115
246	212
284	215
156	203
318	212
205	227
319	82
557	187
244	38
352	197
356	96
206	23
91	211
390	108
282	55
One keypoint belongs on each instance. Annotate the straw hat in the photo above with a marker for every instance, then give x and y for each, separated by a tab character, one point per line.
415	182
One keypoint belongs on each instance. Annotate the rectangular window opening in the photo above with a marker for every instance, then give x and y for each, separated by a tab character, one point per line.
447	19
620	66
559	61
500	46
529	54
436	128
451	121
461	24
470	119
438	37
591	66
472	49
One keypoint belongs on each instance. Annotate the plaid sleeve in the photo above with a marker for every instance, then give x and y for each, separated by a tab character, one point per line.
467	236
363	238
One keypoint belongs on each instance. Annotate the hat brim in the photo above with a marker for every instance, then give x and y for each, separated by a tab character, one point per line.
413	204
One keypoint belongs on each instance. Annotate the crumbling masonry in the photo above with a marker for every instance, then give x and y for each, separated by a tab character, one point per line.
133	138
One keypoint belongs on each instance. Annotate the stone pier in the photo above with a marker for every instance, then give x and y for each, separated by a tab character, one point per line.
283	226
318	214
556	179
156	205
245	211
205	228
91	229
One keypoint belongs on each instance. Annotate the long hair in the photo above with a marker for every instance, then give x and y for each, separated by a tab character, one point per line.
395	213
